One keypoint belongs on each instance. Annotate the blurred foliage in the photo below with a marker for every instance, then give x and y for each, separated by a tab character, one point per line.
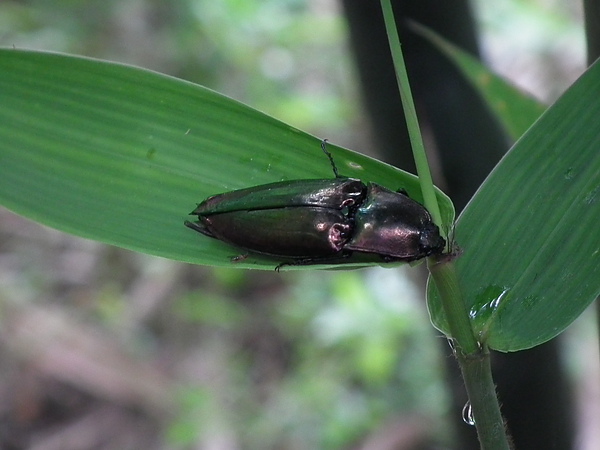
539	45
342	359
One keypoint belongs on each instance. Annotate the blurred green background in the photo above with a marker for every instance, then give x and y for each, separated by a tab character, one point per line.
104	348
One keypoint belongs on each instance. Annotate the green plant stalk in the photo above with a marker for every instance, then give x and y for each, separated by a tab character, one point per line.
477	374
444	276
414	132
472	357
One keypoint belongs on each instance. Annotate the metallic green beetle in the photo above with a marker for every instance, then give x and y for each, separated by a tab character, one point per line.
320	221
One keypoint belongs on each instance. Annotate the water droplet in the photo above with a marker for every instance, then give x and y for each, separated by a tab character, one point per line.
354	165
486	308
467	414
488	303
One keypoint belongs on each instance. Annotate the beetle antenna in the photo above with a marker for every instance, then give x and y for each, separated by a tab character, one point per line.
333	166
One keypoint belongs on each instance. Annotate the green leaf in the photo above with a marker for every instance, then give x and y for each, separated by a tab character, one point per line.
122	155
515	110
530	236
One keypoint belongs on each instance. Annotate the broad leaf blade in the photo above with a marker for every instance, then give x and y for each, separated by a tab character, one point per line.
122	155
530	236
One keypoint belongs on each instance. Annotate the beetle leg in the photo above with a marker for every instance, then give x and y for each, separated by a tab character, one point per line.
337	259
239	258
